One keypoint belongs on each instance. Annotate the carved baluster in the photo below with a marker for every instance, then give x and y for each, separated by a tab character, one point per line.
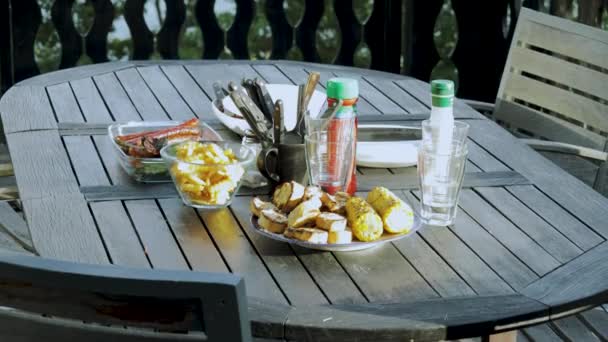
96	41
26	19
282	32
167	39
71	41
213	35
421	48
142	37
237	34
350	29
482	48
306	32
533	4
383	35
590	12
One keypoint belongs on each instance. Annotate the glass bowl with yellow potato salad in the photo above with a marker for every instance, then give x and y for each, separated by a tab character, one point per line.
207	174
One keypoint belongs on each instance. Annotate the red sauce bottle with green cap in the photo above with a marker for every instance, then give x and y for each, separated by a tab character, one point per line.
345	121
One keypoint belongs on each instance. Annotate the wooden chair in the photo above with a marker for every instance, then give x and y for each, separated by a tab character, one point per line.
554	93
51	300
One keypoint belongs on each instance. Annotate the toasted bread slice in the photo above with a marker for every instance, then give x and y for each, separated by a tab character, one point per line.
335	203
342	236
311	235
273	221
256	205
331	222
288	195
305	213
312	191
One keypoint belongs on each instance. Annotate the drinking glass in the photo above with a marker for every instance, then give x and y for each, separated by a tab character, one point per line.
329	159
440	173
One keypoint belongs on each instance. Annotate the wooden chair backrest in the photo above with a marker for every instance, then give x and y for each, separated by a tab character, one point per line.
555	82
51	300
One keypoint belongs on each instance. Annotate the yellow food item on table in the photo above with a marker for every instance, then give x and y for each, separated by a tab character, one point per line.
396	215
205	172
363	220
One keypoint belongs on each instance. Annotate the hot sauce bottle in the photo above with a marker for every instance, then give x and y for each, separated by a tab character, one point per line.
345	122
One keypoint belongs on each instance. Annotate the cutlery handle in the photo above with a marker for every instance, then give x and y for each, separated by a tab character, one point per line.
277	123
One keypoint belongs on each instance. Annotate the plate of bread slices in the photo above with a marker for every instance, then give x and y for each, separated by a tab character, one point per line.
309	217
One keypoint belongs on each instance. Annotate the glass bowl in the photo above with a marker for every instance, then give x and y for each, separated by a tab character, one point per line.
207	174
149	170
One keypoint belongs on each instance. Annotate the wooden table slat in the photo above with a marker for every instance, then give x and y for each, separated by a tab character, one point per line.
62	228
586	204
559	218
119	236
64	103
364	107
110	161
34	151
575	284
85	161
389	89
131	190
168	97
91	104
192	237
155	235
502	261
241	257
575	330
115	98
542	333
598	320
432	267
194	96
281	261
516	240
18	105
139	94
534	226
272	74
373	95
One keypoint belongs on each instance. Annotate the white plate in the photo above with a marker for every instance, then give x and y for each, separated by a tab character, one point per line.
337	247
286	92
383	154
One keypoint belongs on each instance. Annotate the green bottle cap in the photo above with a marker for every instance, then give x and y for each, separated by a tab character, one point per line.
442	93
342	88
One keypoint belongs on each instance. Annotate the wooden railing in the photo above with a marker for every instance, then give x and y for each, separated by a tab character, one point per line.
398	33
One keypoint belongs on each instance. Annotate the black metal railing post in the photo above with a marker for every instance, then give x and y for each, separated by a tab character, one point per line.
6	49
383	35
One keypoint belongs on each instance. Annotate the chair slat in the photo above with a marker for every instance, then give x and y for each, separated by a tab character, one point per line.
568	104
546	126
567	40
558	70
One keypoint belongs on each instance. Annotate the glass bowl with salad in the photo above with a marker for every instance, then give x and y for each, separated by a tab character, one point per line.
207	174
138	145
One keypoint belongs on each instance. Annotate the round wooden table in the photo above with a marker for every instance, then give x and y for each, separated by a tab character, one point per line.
528	246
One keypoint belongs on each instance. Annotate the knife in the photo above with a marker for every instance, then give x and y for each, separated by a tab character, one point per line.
266	103
300	113
277	123
220	94
256	120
